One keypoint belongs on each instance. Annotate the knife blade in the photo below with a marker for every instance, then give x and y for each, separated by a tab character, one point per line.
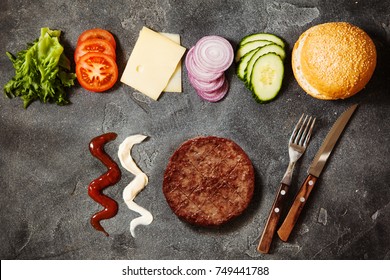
314	172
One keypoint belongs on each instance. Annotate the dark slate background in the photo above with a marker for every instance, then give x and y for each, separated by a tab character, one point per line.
45	165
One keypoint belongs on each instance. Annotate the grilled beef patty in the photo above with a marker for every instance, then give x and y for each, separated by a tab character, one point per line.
208	181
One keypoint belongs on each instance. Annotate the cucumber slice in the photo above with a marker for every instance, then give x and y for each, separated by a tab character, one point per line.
261	51
262	36
244	49
243	63
267	76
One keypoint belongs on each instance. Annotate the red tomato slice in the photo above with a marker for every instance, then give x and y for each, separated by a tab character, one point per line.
96	71
97	33
94	45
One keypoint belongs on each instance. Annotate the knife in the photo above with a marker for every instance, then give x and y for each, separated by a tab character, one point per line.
314	172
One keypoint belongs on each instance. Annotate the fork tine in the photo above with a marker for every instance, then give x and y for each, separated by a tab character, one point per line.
300	132
295	131
307	138
304	133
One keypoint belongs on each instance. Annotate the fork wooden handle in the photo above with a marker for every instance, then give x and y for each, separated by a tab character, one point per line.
296	208
273	219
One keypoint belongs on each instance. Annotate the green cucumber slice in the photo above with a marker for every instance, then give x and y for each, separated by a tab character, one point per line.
243	63
267	76
244	49
261	51
262	36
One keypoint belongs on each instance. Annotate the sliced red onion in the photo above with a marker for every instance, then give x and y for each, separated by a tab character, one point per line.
206	63
213	54
206	86
195	71
216	95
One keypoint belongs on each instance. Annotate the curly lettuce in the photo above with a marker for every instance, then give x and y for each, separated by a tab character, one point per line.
42	71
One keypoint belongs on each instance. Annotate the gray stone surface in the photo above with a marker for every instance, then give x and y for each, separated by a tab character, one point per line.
45	165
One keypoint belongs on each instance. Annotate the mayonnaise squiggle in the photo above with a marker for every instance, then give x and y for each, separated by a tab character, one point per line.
137	184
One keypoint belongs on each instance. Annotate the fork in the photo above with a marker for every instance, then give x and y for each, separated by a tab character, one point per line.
296	147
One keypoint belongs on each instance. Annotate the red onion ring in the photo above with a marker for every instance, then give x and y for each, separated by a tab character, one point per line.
195	71
206	63
216	95
206	86
213	54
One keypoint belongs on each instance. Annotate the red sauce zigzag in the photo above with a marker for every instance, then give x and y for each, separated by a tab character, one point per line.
110	178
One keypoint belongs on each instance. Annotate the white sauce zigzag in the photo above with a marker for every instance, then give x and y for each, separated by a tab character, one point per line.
137	184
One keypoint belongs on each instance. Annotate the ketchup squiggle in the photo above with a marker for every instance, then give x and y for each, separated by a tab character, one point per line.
110	178
136	185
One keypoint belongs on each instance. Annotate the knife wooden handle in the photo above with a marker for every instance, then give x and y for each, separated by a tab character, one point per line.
296	208
273	219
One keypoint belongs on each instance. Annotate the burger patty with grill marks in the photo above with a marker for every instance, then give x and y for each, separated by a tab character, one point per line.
208	181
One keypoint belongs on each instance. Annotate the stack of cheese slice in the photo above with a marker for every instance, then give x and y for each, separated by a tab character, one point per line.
154	65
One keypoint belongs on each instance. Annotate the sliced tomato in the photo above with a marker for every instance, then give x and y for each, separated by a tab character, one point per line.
97	33
96	71
94	45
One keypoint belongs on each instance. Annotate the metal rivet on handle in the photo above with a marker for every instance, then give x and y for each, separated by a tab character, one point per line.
302	199
311	183
277	210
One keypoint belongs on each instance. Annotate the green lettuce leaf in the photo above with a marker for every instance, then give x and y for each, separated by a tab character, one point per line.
42	71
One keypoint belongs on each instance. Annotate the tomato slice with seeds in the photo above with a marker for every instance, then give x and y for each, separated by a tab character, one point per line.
96	71
94	45
97	33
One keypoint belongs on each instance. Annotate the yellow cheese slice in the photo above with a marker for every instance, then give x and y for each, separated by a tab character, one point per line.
174	84
152	63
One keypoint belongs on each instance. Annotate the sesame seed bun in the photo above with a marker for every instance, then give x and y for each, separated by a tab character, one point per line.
333	60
